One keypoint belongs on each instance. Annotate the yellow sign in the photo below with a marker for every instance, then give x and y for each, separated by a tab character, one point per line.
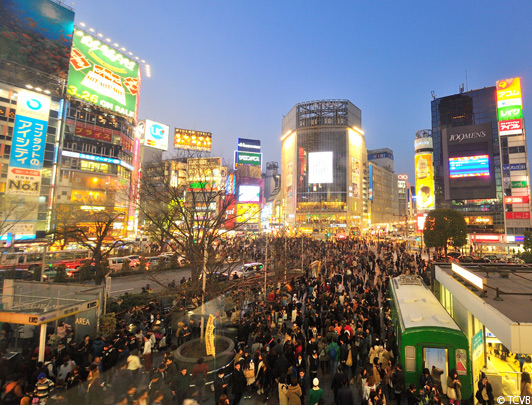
209	337
424	181
249	213
509	89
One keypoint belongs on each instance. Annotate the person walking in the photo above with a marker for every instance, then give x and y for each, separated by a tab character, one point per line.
238	384
316	393
294	392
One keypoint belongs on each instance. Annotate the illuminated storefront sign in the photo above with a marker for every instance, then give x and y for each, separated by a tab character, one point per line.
230	185
516	200
479	238
103	76
156	135
479	220
23	181
95	158
519	184
248	213
514	167
192	140
424	181
421	221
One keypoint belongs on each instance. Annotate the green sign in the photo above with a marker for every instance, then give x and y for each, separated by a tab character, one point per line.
518	184
103	76
511	112
248	158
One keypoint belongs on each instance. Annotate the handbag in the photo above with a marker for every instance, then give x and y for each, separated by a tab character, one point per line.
451	393
349	361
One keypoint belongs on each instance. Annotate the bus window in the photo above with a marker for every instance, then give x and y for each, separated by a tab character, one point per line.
21	259
437	357
410	359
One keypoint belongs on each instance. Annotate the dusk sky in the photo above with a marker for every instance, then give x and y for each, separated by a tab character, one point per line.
234	68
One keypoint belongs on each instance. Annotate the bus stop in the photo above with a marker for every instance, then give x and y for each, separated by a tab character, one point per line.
39	304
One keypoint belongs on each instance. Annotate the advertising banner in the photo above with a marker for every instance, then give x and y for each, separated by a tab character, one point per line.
420	222
23	181
248	193
424	181
517	200
29	132
156	135
518	215
192	140
248	158
320	167
209	337
248	145
248	213
510	113
103	76
422	143
230	185
511	127
370	183
508	89
230	216
36	33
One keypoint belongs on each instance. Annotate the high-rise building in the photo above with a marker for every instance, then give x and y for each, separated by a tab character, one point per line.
324	167
34	59
470	161
384	196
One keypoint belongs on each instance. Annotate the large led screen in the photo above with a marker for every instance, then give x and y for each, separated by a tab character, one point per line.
468	162
320	167
424	181
103	76
36	33
248	193
469	166
192	139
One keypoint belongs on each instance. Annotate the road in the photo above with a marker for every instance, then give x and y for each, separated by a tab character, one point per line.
134	283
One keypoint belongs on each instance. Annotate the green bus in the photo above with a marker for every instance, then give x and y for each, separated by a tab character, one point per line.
427	335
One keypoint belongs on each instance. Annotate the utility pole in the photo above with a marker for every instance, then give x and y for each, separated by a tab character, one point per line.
266	266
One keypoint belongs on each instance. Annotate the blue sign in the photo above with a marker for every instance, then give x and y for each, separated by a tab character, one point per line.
248	145
29	138
513	167
383	155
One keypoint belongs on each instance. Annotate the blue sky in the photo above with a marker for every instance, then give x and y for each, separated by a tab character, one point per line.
234	68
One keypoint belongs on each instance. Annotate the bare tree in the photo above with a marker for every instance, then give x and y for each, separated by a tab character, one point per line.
15	210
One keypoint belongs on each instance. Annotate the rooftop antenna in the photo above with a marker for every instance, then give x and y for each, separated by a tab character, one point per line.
433	94
466	88
461	88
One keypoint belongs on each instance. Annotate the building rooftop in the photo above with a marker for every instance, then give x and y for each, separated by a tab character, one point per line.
514	284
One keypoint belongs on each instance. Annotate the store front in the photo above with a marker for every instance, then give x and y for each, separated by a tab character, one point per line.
492	307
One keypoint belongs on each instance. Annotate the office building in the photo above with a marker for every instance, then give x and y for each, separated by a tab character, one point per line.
384	203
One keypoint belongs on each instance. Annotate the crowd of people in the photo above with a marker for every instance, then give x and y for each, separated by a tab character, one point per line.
321	338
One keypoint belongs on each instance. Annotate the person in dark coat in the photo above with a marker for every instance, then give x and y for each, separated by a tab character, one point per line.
484	394
344	396
239	383
220	386
122	379
181	385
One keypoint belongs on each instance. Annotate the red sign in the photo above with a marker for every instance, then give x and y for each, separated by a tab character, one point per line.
518	215
511	127
77	59
230	216
516	200
421	222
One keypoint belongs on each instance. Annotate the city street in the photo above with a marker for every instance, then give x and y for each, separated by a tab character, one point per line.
134	283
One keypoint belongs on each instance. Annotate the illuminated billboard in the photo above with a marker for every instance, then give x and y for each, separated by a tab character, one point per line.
248	213
248	145
511	127
192	140
248	158
517	200
230	184
156	135
509	106
424	181
247	193
320	167
508	89
469	166
103	76
36	33
204	173
423	143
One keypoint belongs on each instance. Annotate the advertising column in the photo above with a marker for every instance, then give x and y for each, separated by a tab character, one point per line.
248	162
515	171
424	174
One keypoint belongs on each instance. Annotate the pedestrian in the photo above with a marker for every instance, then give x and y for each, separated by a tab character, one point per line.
316	393
181	385
345	396
147	354
484	394
238	383
199	378
454	392
294	392
220	386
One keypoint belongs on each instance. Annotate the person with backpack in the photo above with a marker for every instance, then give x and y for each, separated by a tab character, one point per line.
333	351
12	392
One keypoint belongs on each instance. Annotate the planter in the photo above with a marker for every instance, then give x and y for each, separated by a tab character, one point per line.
189	353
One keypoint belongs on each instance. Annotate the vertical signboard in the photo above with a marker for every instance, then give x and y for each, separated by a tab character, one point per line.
370	182
156	135
29	139
424	181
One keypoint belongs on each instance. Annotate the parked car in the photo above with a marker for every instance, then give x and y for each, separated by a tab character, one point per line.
16	274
